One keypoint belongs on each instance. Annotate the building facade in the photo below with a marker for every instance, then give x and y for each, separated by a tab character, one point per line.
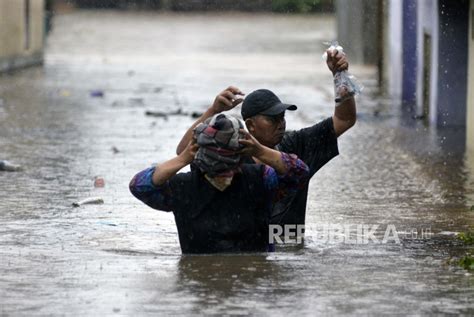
429	43
428	58
470	85
22	27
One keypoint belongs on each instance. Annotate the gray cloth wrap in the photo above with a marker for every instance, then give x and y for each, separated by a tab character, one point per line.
218	140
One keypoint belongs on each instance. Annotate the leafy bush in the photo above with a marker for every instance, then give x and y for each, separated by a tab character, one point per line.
467	237
467	262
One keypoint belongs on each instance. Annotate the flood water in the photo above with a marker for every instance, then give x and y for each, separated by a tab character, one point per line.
123	258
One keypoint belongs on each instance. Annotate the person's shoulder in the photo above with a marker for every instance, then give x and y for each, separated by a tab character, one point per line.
252	168
184	178
324	126
303	142
253	172
253	176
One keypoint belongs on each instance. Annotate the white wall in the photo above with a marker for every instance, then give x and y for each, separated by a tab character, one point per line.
13	50
427	17
394	42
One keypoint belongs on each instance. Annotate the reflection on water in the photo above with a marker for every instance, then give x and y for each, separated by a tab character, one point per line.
217	281
122	257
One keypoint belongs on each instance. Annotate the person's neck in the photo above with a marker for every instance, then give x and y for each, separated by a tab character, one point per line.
220	182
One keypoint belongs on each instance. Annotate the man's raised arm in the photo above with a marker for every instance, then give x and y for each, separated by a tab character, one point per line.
345	113
226	100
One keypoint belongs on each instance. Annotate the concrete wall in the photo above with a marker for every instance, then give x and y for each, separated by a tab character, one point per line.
428	21
21	40
434	85
409	55
357	29
204	5
393	55
470	102
469	161
453	60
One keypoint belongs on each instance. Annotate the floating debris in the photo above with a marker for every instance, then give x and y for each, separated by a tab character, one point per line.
178	112
156	114
99	182
97	94
448	233
64	93
117	103
106	223
9	167
89	201
136	101
115	150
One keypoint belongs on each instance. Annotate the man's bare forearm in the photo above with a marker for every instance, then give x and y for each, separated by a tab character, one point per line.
345	116
272	158
168	169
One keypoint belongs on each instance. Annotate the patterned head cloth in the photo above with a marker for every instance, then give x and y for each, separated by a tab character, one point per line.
218	140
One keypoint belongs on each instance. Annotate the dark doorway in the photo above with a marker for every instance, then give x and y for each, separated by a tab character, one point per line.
426	77
27	25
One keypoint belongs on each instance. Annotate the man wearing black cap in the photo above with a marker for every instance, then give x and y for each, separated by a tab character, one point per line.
264	116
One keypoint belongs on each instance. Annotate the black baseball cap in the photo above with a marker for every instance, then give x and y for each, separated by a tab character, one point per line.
263	101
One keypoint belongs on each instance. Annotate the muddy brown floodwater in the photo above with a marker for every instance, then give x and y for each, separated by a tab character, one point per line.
123	258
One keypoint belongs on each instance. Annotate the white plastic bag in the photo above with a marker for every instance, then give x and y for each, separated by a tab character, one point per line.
345	85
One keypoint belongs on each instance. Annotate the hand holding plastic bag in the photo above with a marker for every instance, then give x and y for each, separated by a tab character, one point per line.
345	85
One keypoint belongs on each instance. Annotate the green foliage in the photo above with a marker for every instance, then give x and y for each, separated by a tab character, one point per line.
297	6
472	208
467	262
467	237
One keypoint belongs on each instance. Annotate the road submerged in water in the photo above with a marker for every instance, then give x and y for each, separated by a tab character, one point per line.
82	116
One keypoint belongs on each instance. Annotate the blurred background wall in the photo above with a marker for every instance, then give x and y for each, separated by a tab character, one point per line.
300	6
21	33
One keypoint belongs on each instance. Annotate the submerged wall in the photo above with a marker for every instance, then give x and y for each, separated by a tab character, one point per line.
453	58
470	99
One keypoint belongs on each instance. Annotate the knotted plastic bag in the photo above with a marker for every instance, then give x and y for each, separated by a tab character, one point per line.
345	85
